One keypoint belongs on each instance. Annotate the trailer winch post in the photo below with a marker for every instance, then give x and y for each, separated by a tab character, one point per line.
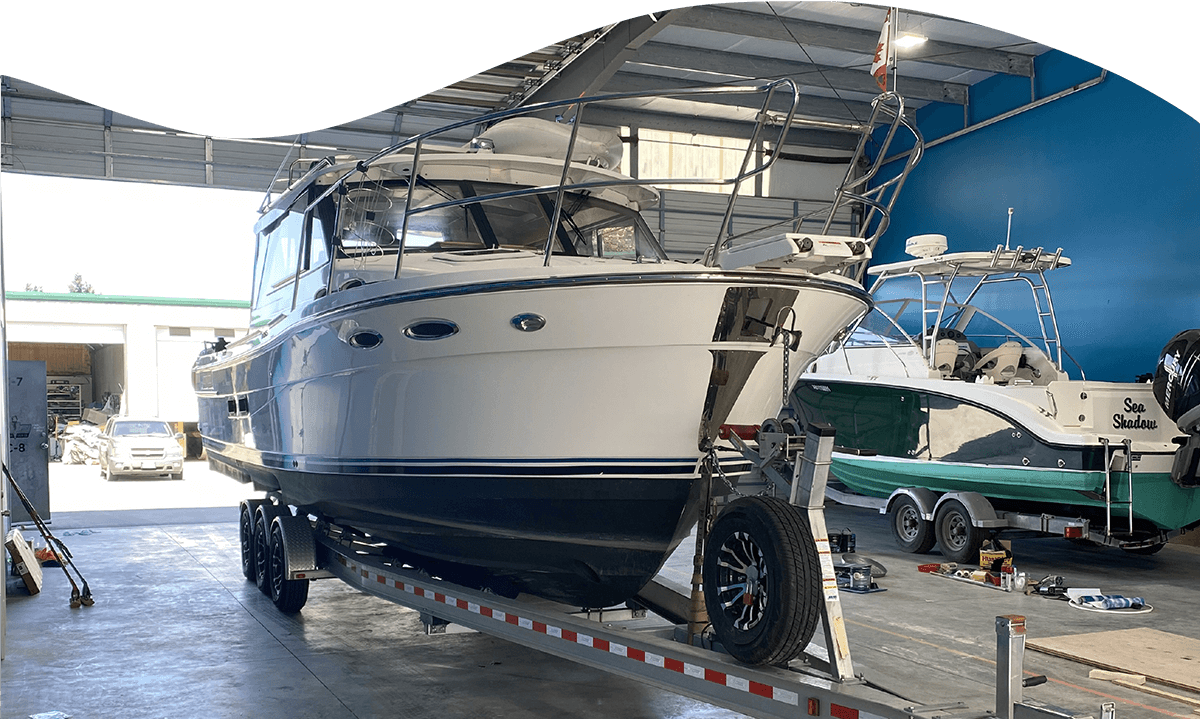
1010	660
811	474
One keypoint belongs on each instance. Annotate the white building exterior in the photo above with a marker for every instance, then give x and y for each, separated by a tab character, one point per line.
142	348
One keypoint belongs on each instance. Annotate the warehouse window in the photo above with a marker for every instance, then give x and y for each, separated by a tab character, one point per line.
223	332
685	155
179	331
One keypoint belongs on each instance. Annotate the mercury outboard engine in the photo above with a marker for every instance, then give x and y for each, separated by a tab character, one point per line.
1177	389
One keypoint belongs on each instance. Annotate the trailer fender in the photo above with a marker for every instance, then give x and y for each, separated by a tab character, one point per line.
300	549
981	510
925	499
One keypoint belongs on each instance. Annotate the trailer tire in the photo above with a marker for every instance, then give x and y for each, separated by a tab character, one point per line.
246	539
959	539
765	541
289	595
262	556
912	531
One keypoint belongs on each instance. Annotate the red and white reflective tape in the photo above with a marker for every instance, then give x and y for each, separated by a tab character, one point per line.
731	681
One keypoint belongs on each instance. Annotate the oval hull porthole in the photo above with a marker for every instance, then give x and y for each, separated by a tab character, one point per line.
365	339
430	330
528	322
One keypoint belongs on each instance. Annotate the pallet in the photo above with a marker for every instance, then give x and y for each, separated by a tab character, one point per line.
25	565
1161	657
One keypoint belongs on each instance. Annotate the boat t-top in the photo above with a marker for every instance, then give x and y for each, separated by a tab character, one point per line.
958	386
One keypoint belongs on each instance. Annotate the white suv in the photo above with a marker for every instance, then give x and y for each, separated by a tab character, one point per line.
140	448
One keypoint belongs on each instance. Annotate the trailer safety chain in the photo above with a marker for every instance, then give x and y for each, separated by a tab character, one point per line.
715	464
791	342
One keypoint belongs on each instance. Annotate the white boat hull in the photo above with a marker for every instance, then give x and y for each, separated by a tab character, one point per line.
477	448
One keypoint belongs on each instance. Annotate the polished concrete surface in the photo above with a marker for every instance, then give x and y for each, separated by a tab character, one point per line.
176	630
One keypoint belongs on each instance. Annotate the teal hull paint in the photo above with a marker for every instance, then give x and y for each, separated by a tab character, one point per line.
1156	498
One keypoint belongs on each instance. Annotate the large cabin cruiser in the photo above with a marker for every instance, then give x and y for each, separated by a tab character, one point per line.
957	381
481	358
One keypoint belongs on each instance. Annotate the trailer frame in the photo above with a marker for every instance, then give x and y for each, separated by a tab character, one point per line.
666	655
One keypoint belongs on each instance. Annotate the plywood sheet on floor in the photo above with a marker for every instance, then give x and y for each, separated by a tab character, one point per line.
1166	658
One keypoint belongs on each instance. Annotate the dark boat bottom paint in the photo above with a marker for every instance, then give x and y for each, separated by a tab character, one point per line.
590	542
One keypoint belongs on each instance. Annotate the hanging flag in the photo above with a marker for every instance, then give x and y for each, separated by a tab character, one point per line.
883	53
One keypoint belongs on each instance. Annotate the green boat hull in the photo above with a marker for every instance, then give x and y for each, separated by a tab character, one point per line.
915	438
1157	499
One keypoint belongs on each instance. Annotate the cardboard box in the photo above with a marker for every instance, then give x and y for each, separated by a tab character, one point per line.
988	557
95	416
25	565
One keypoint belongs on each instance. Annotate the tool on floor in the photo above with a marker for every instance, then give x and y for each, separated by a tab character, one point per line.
78	598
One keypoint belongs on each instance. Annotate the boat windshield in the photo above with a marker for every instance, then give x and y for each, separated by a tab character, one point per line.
371	221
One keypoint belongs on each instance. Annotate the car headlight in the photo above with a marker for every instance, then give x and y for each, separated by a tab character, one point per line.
174	451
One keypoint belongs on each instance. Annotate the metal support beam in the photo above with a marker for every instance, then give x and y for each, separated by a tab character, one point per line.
752	24
108	145
6	129
595	66
810	105
208	161
740	65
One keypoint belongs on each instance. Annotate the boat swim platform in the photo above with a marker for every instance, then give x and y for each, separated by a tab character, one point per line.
177	631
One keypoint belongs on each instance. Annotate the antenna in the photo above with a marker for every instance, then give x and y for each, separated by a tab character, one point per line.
1009	233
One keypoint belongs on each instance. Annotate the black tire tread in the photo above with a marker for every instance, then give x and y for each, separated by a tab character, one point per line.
924	541
969	553
292	593
799	611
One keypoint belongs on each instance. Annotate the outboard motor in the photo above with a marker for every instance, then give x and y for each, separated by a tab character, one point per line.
1177	389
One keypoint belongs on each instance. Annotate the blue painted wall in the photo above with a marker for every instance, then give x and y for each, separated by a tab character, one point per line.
1111	174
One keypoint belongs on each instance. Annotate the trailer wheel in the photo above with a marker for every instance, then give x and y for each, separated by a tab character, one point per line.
911	530
762	580
246	537
262	549
959	539
289	595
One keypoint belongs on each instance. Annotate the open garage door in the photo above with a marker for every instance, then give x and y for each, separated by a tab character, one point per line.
78	376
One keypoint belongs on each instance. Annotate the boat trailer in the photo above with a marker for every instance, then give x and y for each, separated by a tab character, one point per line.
283	552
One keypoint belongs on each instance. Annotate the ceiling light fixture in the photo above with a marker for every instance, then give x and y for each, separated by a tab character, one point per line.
908	40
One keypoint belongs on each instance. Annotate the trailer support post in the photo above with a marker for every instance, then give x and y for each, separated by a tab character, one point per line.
1010	660
811	474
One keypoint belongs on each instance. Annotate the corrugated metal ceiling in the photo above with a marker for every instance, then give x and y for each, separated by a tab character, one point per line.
825	46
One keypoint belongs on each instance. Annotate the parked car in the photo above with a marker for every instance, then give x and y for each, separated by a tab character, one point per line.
140	448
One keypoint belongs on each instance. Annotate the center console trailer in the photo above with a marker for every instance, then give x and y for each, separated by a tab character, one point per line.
283	552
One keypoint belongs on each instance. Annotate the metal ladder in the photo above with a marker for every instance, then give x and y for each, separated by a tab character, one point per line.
1109	502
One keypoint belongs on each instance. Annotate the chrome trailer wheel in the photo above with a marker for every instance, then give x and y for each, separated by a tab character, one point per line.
762	580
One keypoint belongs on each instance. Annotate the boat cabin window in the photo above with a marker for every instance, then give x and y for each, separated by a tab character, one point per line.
277	258
372	220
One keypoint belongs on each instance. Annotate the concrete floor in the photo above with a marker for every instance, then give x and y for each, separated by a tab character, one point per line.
177	631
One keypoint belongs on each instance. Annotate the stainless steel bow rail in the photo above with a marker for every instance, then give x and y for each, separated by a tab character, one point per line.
293	550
